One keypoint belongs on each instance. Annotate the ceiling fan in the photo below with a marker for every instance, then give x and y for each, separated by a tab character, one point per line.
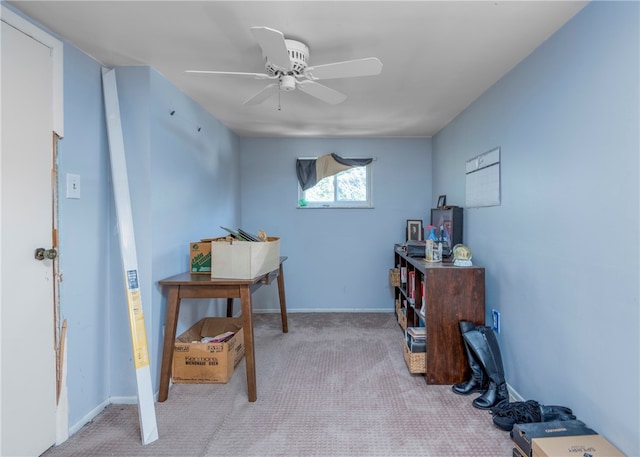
286	63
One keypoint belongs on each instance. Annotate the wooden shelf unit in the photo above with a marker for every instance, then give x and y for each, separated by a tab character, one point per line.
449	294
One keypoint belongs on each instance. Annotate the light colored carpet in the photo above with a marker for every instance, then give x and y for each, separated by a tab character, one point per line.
335	385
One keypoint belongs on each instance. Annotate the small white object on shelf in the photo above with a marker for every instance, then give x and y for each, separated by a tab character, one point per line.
462	256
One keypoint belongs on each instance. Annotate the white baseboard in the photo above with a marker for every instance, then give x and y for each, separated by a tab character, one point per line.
124	400
132	400
324	310
88	417
514	394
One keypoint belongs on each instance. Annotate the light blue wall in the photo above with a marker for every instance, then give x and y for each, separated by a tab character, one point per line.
195	187
85	225
338	259
561	251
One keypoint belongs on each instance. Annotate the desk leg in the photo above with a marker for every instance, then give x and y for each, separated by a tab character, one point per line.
170	324
283	301
247	327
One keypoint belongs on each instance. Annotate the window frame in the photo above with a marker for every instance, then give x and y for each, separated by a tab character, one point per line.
365	204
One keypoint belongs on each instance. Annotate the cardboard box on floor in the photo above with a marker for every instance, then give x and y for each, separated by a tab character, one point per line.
200	257
244	259
571	446
524	434
207	363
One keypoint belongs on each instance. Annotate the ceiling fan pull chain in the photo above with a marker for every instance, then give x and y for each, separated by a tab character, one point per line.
279	107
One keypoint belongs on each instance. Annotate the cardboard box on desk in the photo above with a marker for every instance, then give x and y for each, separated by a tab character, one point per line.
570	446
207	363
200	257
244	259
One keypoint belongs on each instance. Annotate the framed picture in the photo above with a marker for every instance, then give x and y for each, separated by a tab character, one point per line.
442	201
415	230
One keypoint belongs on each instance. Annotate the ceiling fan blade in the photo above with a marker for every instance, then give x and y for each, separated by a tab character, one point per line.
324	93
369	66
274	48
265	93
233	73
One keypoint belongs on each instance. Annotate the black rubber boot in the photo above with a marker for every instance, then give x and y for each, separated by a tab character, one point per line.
550	413
478	380
485	346
506	415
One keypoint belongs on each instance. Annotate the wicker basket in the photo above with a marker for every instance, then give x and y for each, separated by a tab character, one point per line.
416	361
402	320
394	277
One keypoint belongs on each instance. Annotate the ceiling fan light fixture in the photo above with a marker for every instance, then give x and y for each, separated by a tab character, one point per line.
287	83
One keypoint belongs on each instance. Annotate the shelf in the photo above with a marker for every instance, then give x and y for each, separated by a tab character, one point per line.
451	294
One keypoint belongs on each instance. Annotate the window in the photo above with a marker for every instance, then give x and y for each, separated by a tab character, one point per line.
348	189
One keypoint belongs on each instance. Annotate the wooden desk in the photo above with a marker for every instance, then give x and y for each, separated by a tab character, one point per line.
186	285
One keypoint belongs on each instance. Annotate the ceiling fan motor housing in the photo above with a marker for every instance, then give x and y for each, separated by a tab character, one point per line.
299	56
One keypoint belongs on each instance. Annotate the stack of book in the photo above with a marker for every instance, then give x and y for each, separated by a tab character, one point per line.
416	339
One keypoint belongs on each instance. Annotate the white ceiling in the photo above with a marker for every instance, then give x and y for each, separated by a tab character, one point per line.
438	56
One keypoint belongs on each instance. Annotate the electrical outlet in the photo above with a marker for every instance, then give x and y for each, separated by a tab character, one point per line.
496	320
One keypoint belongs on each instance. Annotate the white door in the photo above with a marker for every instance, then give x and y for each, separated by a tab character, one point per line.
28	392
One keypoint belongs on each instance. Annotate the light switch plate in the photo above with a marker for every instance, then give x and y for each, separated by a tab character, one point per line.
73	186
